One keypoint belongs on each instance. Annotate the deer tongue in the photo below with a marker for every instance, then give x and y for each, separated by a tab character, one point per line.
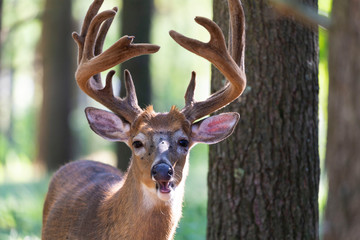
164	186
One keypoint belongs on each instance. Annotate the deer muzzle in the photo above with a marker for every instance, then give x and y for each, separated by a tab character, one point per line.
162	174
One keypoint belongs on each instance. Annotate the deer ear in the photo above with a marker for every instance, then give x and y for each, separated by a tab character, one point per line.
215	128
107	124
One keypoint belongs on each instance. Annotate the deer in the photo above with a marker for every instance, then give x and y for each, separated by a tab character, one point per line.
91	200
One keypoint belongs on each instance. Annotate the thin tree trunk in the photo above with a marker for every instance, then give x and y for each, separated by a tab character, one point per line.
263	181
342	216
136	21
55	143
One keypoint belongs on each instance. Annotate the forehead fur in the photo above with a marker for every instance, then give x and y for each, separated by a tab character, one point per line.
171	121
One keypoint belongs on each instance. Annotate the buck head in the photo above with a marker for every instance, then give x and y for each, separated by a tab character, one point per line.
160	142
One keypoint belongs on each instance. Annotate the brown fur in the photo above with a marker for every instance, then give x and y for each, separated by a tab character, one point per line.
151	120
91	200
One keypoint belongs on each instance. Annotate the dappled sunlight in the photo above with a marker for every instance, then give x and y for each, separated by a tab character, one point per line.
24	182
18	168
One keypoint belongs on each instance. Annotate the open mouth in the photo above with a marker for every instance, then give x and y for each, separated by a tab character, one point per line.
164	187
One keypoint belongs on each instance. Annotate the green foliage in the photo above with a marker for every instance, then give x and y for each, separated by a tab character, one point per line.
21	29
193	224
323	92
325	6
325	9
21	209
4	145
21	143
20	34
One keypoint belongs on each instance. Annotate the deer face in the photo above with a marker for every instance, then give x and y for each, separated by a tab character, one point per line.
160	143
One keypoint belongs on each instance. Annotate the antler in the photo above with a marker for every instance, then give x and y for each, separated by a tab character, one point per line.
92	61
230	64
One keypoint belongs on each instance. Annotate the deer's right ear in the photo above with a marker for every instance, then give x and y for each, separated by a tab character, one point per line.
108	125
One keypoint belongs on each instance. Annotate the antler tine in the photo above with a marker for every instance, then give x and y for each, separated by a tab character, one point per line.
91	40
189	95
100	43
216	52
127	107
102	34
92	61
80	38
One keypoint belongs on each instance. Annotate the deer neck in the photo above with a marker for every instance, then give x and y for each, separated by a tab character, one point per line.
133	206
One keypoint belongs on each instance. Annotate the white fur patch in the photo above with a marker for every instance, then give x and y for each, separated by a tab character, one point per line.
149	197
165	196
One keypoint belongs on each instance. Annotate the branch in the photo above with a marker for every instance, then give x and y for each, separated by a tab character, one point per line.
303	13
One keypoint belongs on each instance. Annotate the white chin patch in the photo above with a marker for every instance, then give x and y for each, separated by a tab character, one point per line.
165	196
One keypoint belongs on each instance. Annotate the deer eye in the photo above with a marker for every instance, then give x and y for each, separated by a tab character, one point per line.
137	144
183	142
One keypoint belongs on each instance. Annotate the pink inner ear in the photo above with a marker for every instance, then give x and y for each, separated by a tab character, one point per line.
215	128
107	124
218	124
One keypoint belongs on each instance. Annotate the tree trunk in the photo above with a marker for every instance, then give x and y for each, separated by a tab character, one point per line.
55	145
263	181
136	21
342	215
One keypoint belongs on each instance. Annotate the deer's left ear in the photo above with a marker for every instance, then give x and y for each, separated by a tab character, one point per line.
215	128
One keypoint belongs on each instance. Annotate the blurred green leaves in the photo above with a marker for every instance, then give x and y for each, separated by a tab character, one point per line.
21	209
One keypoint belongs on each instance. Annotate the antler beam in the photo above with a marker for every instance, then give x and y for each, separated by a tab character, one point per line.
230	63
92	61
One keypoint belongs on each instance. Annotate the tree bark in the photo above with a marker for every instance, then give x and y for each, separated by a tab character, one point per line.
136	21
263	181
55	143
342	215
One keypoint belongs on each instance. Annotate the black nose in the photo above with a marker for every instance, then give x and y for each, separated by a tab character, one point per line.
162	172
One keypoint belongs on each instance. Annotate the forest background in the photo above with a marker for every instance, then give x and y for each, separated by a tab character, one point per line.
24	176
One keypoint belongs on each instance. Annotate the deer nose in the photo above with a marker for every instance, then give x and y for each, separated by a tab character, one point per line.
162	172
